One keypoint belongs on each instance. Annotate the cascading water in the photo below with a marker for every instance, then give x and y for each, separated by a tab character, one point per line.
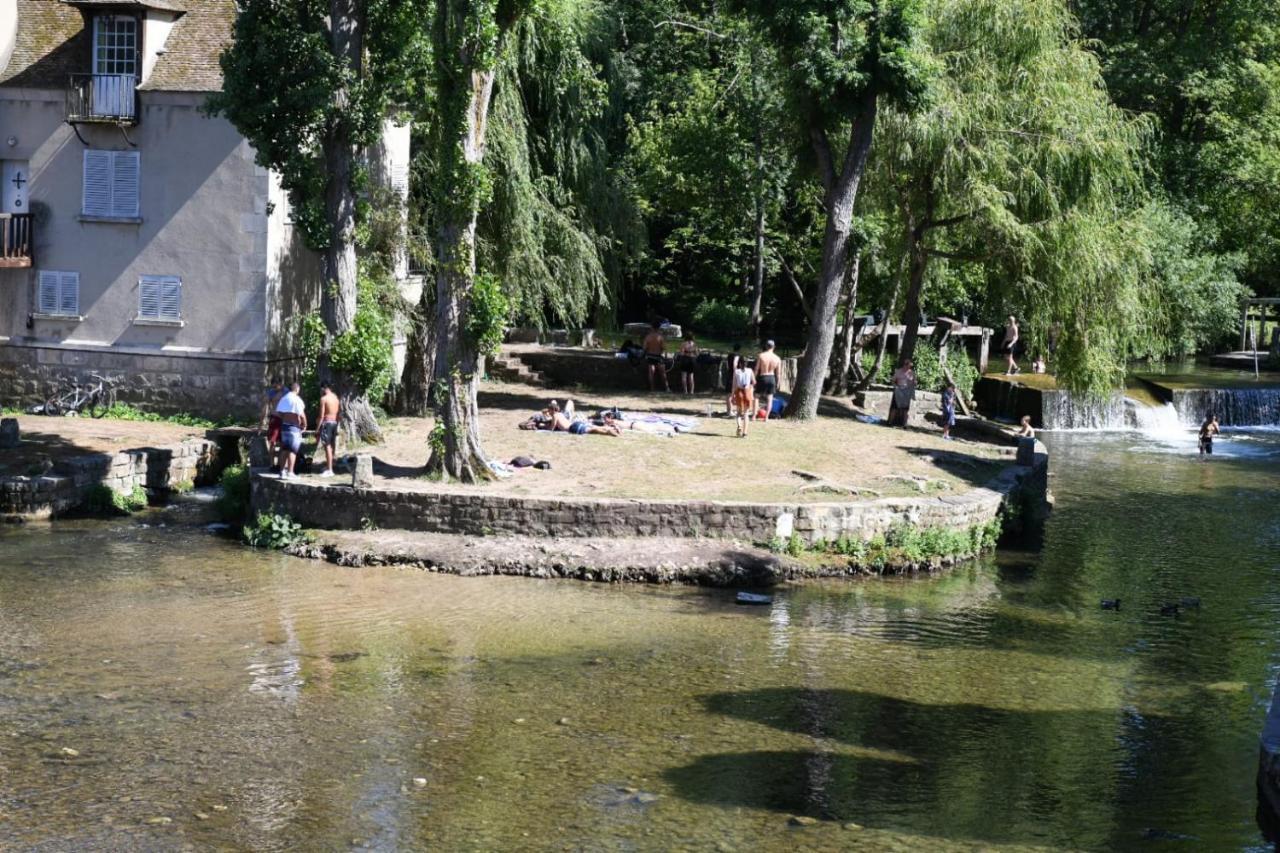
1156	421
1060	410
1237	407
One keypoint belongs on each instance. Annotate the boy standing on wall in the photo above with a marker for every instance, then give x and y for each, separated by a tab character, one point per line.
327	431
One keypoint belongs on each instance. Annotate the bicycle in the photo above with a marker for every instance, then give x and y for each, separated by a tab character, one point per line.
97	398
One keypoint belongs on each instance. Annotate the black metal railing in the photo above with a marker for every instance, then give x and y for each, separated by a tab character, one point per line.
103	97
15	239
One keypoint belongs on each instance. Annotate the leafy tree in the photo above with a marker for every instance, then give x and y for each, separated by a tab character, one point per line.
1208	71
843	60
1023	165
309	82
467	39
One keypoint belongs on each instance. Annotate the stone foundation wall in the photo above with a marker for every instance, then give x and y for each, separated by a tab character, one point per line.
340	507
213	386
195	460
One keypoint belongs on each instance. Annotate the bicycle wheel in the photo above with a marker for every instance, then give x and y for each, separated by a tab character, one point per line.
52	407
98	404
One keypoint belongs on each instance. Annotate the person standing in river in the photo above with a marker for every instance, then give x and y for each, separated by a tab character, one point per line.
1010	344
1208	430
654	347
904	391
767	366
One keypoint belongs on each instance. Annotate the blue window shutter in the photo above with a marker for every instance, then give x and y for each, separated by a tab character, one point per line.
69	293
125	166
48	292
97	183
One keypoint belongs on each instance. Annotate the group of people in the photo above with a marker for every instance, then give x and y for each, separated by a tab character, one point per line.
284	417
654	347
746	383
1009	346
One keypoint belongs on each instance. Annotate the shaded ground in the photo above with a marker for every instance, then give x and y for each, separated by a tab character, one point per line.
60	438
710	463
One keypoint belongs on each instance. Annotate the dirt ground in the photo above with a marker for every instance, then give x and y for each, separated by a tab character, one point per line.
60	438
709	463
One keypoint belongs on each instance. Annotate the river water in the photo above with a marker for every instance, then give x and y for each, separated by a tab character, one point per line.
163	689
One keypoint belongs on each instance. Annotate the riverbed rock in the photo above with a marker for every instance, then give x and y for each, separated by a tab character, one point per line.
259	452
1026	451
802	820
9	436
362	473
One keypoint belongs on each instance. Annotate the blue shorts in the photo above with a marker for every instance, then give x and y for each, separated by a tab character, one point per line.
578	427
291	438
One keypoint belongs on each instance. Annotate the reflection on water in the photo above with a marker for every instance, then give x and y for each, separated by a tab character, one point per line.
160	689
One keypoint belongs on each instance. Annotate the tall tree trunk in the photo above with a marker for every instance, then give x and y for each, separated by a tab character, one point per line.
339	291
918	260
456	450
841	195
757	273
841	383
414	397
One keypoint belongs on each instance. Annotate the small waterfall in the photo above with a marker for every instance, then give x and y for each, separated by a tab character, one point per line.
1060	410
1239	407
1160	420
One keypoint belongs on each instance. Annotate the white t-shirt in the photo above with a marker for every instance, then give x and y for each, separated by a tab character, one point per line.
743	377
291	404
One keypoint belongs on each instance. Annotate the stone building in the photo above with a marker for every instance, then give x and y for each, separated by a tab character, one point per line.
138	238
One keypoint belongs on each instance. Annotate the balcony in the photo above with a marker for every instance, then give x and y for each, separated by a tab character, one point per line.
15	240
107	98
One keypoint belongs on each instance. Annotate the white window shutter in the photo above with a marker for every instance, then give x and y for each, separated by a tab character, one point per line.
149	298
171	299
124	183
69	293
97	183
48	292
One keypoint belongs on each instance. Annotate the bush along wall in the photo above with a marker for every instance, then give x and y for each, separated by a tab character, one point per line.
904	548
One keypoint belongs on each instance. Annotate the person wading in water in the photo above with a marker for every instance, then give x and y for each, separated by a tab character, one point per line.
1208	430
767	366
654	345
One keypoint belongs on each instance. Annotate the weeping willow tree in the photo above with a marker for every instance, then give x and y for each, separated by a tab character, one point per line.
556	225
1021	164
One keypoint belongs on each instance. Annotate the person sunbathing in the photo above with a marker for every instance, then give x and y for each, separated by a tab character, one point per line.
560	423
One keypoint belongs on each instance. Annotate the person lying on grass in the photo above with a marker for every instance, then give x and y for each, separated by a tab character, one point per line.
560	423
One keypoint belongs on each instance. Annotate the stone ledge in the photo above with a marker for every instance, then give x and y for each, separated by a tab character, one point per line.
1018	490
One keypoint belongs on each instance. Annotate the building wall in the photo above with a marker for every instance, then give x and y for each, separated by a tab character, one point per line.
205	210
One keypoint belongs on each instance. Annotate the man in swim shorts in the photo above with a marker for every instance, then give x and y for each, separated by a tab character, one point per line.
654	344
767	366
1208	430
327	432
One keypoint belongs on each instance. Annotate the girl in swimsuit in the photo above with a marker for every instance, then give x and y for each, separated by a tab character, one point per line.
744	383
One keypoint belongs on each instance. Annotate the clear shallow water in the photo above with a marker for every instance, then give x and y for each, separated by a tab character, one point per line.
293	704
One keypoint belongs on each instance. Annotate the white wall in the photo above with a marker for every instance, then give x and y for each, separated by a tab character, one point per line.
155	33
203	208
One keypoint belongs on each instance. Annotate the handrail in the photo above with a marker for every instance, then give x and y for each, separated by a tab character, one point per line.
15	236
102	97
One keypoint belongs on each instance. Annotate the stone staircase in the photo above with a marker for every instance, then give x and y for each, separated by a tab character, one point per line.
509	367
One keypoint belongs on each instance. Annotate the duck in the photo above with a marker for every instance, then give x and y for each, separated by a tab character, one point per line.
1169	610
1110	604
1190	601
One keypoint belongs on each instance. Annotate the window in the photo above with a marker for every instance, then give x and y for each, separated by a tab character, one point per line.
111	184
115	45
160	297
59	293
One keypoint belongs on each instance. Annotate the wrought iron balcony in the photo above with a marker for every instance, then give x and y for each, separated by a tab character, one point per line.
111	98
15	240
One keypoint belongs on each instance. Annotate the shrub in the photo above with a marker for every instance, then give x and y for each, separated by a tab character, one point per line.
233	503
104	500
718	319
126	412
929	375
274	530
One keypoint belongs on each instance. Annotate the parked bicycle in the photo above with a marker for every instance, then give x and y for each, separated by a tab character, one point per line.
95	398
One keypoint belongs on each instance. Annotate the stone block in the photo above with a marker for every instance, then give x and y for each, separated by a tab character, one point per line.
362	475
9	435
1026	451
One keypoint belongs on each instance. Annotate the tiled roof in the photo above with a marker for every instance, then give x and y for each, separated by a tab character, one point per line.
52	44
166	5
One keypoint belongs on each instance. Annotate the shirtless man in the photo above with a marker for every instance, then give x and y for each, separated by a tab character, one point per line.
767	366
293	420
654	344
1009	344
327	431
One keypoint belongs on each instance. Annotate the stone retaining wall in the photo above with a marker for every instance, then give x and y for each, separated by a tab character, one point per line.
318	505
195	460
217	385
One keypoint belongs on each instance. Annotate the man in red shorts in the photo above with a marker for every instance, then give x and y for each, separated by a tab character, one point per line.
270	420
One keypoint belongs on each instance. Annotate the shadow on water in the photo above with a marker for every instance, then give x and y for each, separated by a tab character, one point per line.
958	771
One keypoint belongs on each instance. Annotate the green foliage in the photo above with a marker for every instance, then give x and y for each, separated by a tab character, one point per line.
364	354
903	545
281	79
104	500
233	503
275	531
487	314
719	319
928	369
126	412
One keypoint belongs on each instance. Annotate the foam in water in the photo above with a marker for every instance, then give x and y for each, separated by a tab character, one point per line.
1156	421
